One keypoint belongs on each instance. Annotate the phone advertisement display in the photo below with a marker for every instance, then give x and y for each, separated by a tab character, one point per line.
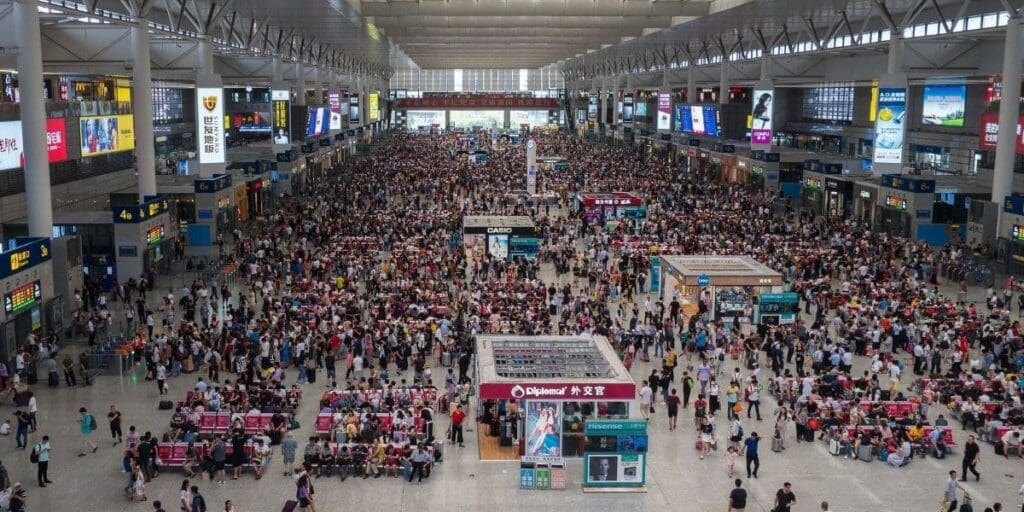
210	119
944	105
373	104
761	117
107	134
889	127
664	111
280	104
543	425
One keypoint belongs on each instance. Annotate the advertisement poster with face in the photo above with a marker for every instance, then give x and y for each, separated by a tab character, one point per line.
761	127
603	468
664	111
280	104
497	246
544	427
106	134
889	128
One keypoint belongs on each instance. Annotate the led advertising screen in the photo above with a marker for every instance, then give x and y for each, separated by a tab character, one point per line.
698	119
627	108
280	100
12	145
251	122
944	105
373	106
210	122
889	128
761	117
107	134
641	109
334	103
592	106
664	111
317	121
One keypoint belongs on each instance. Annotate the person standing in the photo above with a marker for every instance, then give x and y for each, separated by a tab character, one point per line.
42	449
949	494
784	498
219	459
21	436
750	445
672	403
33	409
972	454
87	424
198	502
753	393
458	417
687	388
288	448
737	498
161	378
114	418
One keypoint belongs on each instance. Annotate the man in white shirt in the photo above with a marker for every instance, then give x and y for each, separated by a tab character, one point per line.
646	395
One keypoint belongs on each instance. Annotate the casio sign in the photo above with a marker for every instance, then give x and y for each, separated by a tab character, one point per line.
499	230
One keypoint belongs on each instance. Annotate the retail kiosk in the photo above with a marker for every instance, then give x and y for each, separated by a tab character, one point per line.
609	206
556	383
501	237
726	286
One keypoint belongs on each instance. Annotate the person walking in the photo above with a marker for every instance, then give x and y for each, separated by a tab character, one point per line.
42	450
753	393
198	501
185	497
737	498
750	445
646	397
949	493
784	498
687	388
87	425
672	403
114	418
972	454
288	448
458	417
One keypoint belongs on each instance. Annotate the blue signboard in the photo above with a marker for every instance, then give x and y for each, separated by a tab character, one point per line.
1014	204
204	214
23	255
915	185
214	184
154	205
703	280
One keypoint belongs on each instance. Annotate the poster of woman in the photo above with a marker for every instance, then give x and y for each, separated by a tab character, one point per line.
543	434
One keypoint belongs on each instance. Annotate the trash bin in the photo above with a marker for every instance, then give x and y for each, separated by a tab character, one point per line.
527	475
558	477
543	477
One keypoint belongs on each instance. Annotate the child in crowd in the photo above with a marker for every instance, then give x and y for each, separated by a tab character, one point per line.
730	460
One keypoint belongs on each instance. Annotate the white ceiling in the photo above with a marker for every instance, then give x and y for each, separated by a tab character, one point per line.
450	34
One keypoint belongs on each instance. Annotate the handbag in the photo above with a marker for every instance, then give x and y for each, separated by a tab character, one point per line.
737	408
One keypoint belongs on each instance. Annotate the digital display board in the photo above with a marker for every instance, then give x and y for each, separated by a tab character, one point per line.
334	103
280	101
1018	232
251	122
944	105
107	134
210	124
24	257
317	122
698	119
23	297
896	202
12	148
155	235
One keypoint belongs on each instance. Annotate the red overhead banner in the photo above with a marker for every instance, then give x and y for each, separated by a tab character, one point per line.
990	132
558	391
478	102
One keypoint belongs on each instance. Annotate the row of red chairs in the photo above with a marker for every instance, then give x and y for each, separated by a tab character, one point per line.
220	422
325	420
947	437
174	455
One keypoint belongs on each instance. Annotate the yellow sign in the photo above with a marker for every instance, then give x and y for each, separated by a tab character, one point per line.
106	134
874	103
373	106
19	260
123	94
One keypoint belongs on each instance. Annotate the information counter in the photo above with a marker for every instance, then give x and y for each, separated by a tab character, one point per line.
725	286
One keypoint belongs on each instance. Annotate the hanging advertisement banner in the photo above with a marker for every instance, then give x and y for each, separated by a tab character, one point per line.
373	104
334	103
664	111
944	105
280	106
889	127
990	132
107	134
209	116
761	117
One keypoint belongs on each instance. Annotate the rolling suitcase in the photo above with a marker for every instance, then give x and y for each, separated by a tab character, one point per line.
864	453
290	506
834	446
438	451
776	444
446	358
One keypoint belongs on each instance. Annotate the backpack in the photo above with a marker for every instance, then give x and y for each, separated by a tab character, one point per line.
92	422
34	456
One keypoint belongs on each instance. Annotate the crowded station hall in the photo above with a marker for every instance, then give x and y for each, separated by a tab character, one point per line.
419	256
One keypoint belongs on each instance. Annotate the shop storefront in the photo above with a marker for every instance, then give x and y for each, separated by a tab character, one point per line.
904	203
27	277
558	384
865	196
499	237
812	195
838	197
932	158
1011	236
726	287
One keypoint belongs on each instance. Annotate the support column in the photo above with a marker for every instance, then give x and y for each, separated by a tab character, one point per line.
766	66
318	87
300	84
691	83
723	83
615	101
364	103
277	69
142	107
33	120
209	136
206	55
890	133
895	64
602	103
1009	113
